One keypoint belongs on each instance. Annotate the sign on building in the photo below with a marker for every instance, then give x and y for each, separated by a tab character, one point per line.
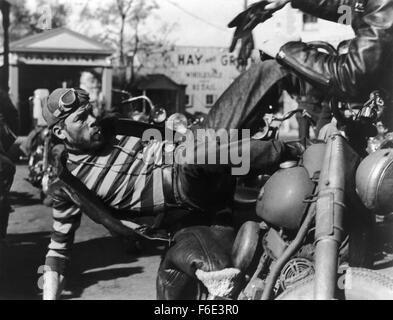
207	72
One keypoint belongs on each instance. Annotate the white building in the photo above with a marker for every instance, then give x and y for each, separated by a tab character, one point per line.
207	72
294	22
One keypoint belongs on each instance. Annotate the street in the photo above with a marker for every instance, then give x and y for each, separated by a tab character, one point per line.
100	267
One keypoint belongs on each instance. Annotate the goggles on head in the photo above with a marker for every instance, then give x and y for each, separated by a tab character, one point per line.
68	102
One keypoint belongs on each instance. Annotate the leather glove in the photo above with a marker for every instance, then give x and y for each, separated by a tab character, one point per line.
176	285
246	48
244	23
196	248
200	247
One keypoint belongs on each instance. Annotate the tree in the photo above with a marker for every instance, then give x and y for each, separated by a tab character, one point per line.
25	22
123	22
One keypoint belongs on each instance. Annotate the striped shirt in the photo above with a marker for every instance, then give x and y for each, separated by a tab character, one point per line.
129	177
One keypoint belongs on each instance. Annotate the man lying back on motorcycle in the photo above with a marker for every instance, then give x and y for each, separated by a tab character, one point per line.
127	173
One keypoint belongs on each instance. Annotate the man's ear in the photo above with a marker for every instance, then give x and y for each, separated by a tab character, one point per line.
58	131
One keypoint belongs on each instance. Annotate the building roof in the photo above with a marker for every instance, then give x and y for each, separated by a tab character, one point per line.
157	82
60	40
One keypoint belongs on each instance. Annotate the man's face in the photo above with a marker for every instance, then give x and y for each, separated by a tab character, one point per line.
81	131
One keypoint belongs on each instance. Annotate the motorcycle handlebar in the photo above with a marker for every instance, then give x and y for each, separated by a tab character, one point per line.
145	98
290	114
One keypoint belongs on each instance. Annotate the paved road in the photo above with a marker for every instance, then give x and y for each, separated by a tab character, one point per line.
100	268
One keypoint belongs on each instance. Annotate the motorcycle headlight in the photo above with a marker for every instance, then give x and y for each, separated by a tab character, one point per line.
374	181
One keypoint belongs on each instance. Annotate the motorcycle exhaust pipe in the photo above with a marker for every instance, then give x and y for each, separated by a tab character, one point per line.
329	219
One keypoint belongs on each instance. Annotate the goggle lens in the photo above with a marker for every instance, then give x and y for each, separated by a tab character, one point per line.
67	102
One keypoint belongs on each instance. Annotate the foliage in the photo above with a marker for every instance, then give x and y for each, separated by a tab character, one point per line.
25	22
123	27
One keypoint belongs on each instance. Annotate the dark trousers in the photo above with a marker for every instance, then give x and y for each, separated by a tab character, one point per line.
7	171
211	186
206	184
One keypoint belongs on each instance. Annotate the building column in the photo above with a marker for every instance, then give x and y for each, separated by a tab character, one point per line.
14	85
107	87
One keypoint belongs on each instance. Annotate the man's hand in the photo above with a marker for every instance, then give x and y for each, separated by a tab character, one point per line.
53	285
244	23
247	20
271	47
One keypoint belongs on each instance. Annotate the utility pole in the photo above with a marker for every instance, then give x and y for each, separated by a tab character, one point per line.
245	4
5	11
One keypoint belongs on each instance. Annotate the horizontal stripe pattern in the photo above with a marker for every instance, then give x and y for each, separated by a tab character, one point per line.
128	178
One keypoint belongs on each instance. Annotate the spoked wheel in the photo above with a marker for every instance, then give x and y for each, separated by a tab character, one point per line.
360	284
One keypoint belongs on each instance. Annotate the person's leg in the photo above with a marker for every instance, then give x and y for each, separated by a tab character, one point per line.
215	152
238	106
7	171
206	171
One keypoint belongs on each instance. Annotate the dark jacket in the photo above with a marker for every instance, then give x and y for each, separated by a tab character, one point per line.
368	65
8	122
8	112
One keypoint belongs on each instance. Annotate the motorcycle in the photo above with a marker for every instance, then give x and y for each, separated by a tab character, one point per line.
42	160
317	218
314	217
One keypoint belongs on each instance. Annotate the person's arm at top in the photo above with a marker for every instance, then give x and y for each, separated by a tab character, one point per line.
348	75
324	9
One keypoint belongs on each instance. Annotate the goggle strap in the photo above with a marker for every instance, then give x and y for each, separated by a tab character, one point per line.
57	113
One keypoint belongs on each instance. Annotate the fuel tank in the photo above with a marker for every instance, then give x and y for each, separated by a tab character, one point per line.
281	201
374	181
313	158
